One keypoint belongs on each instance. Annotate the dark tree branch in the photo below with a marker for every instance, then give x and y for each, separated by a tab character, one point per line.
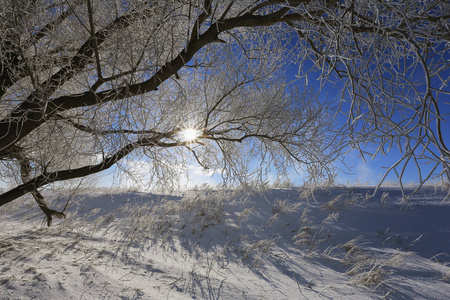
30	114
35	110
107	132
14	57
25	173
47	178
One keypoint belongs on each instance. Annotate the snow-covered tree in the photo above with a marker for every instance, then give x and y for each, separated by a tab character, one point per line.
90	84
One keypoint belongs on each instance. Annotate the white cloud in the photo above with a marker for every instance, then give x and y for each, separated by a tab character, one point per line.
365	174
198	176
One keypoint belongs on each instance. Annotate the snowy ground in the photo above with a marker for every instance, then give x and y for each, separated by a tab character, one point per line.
276	244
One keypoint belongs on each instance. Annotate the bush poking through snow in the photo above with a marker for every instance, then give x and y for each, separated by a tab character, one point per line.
371	272
259	251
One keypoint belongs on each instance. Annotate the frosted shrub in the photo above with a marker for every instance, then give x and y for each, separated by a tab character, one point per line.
372	272
259	251
206	209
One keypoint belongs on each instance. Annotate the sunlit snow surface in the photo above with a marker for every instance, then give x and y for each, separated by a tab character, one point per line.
275	244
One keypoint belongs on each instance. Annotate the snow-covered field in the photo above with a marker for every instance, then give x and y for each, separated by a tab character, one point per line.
275	244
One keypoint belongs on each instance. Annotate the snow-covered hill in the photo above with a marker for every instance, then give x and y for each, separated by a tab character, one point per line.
276	244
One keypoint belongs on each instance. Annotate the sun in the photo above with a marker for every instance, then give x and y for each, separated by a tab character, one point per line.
189	134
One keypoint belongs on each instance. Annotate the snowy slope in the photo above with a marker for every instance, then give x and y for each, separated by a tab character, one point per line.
275	244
